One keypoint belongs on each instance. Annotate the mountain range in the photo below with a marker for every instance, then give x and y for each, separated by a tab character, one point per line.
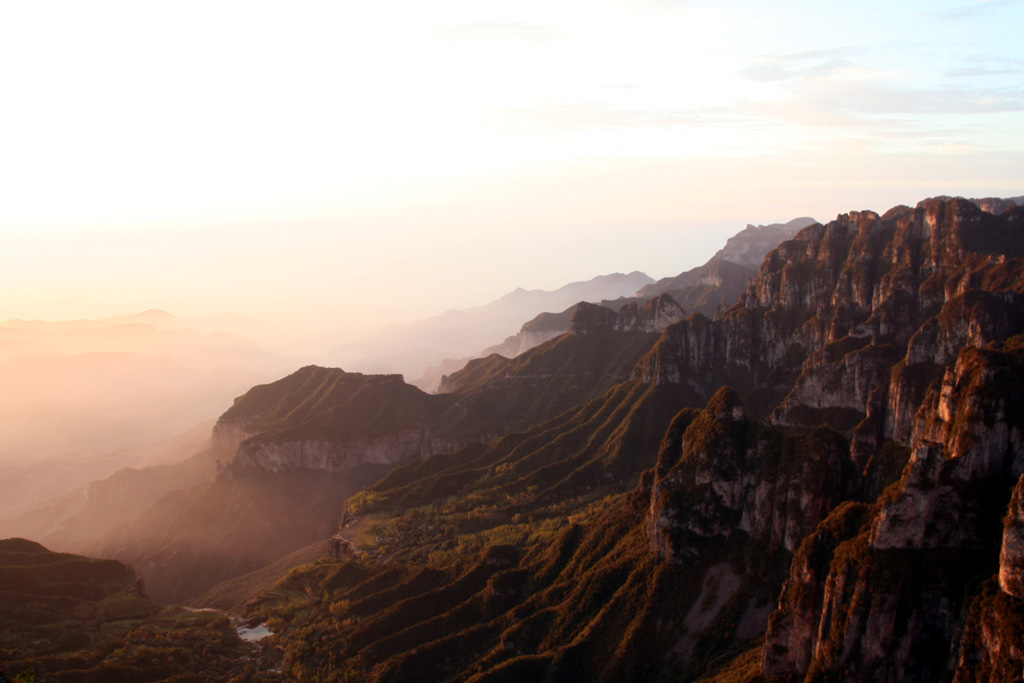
821	480
702	289
411	348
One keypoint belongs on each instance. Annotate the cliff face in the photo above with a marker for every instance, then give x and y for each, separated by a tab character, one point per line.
834	310
719	475
341	455
897	580
656	314
332	421
897	332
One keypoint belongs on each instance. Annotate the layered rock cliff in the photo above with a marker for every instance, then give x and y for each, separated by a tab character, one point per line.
329	420
895	330
725	475
898	579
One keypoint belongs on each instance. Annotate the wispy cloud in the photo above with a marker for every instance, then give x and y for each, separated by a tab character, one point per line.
806	64
827	88
973	9
981	72
980	67
767	70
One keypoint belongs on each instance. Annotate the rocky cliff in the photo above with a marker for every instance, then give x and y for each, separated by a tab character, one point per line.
883	600
329	420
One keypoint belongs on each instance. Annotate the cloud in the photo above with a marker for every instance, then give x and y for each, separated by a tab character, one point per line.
980	67
491	32
805	64
981	72
825	88
973	9
767	70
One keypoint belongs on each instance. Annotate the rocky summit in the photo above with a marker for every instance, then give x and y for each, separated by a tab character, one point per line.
821	481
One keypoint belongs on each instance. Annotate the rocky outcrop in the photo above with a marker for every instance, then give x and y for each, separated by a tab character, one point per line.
329	420
884	602
990	647
720	474
837	311
1011	555
969	435
655	315
339	455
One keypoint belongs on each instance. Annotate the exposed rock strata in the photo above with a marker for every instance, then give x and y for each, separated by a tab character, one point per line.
720	474
331	421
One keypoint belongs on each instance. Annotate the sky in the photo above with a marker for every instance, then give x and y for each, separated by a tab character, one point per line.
306	161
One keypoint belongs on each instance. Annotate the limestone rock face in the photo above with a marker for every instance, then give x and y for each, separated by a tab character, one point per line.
654	315
849	322
1011	556
794	630
917	346
331	421
718	475
990	647
340	455
968	434
881	600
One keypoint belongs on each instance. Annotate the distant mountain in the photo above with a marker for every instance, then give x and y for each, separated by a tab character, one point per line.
599	351
409	349
703	289
995	205
724	277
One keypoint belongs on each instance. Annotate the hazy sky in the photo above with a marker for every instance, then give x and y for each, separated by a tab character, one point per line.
315	159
